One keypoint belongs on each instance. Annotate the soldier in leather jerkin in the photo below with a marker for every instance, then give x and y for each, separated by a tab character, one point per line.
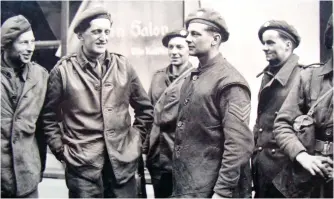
90	93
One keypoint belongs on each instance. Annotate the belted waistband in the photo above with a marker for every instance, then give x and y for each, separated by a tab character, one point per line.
324	147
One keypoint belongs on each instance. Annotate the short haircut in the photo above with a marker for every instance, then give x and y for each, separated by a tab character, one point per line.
285	38
215	30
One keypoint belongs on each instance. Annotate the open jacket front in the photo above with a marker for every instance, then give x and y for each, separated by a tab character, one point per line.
23	148
95	115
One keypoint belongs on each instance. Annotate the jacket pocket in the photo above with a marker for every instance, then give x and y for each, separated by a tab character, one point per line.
131	140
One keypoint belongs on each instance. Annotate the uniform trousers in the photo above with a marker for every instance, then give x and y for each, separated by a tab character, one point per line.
104	187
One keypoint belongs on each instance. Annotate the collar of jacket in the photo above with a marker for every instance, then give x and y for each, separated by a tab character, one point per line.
23	73
327	68
283	75
84	62
210	63
169	71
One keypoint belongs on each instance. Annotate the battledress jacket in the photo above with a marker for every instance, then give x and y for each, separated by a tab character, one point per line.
165	94
268	159
311	84
23	148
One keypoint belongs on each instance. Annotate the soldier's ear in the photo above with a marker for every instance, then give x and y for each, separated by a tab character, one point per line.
216	39
80	36
289	45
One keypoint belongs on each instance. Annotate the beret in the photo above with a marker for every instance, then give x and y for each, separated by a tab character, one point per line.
282	27
176	33
209	17
328	35
90	14
12	28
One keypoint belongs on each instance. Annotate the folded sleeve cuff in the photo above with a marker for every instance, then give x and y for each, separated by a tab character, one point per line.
223	192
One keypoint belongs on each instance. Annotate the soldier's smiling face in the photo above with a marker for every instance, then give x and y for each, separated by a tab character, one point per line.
275	47
199	39
96	37
22	48
178	51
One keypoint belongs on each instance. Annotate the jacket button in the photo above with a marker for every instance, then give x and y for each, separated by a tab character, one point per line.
179	124
328	133
177	149
9	75
260	148
97	87
260	130
273	150
14	139
195	77
276	112
14	99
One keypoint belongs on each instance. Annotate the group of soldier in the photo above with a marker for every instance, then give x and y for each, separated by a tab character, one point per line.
192	127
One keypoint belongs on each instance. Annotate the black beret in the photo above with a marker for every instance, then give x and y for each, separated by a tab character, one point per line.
209	17
282	27
12	28
90	14
176	33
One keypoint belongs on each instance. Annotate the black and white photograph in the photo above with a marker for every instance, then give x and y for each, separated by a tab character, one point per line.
167	99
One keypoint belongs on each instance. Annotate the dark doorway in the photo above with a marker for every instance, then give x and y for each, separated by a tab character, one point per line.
45	21
326	9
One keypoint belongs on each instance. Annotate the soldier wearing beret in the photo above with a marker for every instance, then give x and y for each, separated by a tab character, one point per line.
90	93
23	88
165	93
309	172
212	137
279	40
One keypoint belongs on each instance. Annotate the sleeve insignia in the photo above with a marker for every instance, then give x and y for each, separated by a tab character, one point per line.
240	112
